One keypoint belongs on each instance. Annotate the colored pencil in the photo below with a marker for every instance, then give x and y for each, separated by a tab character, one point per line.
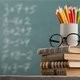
68	15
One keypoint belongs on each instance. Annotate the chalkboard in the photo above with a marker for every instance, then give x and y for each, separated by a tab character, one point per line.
25	26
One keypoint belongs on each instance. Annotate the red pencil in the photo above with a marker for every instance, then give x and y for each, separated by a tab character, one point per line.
71	15
74	13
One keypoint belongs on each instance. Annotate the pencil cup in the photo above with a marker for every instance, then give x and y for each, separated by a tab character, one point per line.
65	30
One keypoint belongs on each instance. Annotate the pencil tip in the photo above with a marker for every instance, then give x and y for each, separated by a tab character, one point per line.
65	5
79	9
57	10
59	7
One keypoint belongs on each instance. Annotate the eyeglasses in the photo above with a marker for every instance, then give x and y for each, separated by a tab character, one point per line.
56	40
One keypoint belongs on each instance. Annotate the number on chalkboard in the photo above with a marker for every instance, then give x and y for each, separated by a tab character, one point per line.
27	21
19	8
32	9
29	55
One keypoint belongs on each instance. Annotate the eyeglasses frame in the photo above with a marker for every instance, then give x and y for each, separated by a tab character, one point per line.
64	38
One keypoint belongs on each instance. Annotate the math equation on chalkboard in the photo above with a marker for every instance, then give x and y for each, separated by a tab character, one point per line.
16	53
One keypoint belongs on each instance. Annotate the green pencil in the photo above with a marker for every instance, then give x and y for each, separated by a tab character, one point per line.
77	18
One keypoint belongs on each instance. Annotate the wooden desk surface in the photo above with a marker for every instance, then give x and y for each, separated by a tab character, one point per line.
39	77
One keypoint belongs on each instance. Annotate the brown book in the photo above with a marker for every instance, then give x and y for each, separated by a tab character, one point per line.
47	51
62	71
60	56
60	64
48	72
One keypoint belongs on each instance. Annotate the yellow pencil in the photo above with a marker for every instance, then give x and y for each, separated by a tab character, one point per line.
78	17
67	13
61	14
64	15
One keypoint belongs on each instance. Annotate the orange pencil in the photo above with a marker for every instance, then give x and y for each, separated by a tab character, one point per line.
70	17
66	10
58	16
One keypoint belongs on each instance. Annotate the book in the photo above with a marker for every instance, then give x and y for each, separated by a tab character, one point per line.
62	71
48	51
60	64
60	56
48	72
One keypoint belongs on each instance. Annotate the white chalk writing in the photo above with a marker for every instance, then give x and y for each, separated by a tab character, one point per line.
17	29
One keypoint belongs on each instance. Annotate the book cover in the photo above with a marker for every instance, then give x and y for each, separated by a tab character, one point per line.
60	56
47	51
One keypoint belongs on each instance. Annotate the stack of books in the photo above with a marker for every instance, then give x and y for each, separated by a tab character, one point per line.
60	61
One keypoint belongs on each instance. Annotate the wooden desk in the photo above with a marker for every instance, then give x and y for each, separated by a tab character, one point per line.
39	78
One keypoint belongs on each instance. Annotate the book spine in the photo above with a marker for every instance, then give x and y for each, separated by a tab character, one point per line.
55	71
62	71
48	72
53	57
52	65
47	51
